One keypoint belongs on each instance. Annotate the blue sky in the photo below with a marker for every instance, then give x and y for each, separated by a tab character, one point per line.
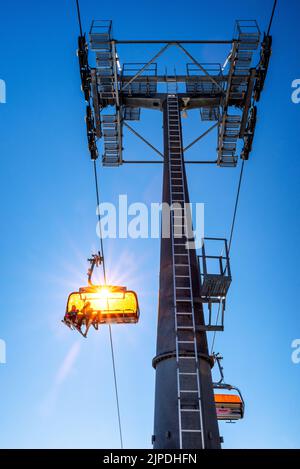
57	388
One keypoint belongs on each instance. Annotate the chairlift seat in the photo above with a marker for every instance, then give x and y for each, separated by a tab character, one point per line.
229	406
97	304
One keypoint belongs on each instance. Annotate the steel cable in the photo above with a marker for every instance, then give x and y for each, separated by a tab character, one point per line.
104	269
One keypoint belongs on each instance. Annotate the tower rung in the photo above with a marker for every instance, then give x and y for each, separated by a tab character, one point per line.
189	410
185	328
189	391
191	431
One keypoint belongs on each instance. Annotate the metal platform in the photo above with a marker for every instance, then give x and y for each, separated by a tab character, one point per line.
143	86
214	314
206	86
248	36
112	140
100	34
100	42
222	93
239	85
229	129
132	113
210	113
248	33
215	271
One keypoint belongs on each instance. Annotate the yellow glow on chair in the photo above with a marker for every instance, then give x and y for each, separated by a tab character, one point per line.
106	304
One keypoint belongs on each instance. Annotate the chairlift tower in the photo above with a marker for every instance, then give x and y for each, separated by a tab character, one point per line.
185	410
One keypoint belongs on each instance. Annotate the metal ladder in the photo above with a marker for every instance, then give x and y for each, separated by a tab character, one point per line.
171	83
188	378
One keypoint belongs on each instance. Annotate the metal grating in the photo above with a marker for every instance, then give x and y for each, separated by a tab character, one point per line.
100	42
141	84
132	113
248	33
210	113
206	86
100	34
112	141
229	130
215	270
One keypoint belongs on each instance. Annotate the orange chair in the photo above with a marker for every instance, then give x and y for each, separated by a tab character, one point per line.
229	406
96	304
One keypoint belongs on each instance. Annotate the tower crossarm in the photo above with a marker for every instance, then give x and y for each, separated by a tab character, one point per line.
225	95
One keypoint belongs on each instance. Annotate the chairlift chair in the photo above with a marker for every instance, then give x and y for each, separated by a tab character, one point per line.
229	407
94	305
